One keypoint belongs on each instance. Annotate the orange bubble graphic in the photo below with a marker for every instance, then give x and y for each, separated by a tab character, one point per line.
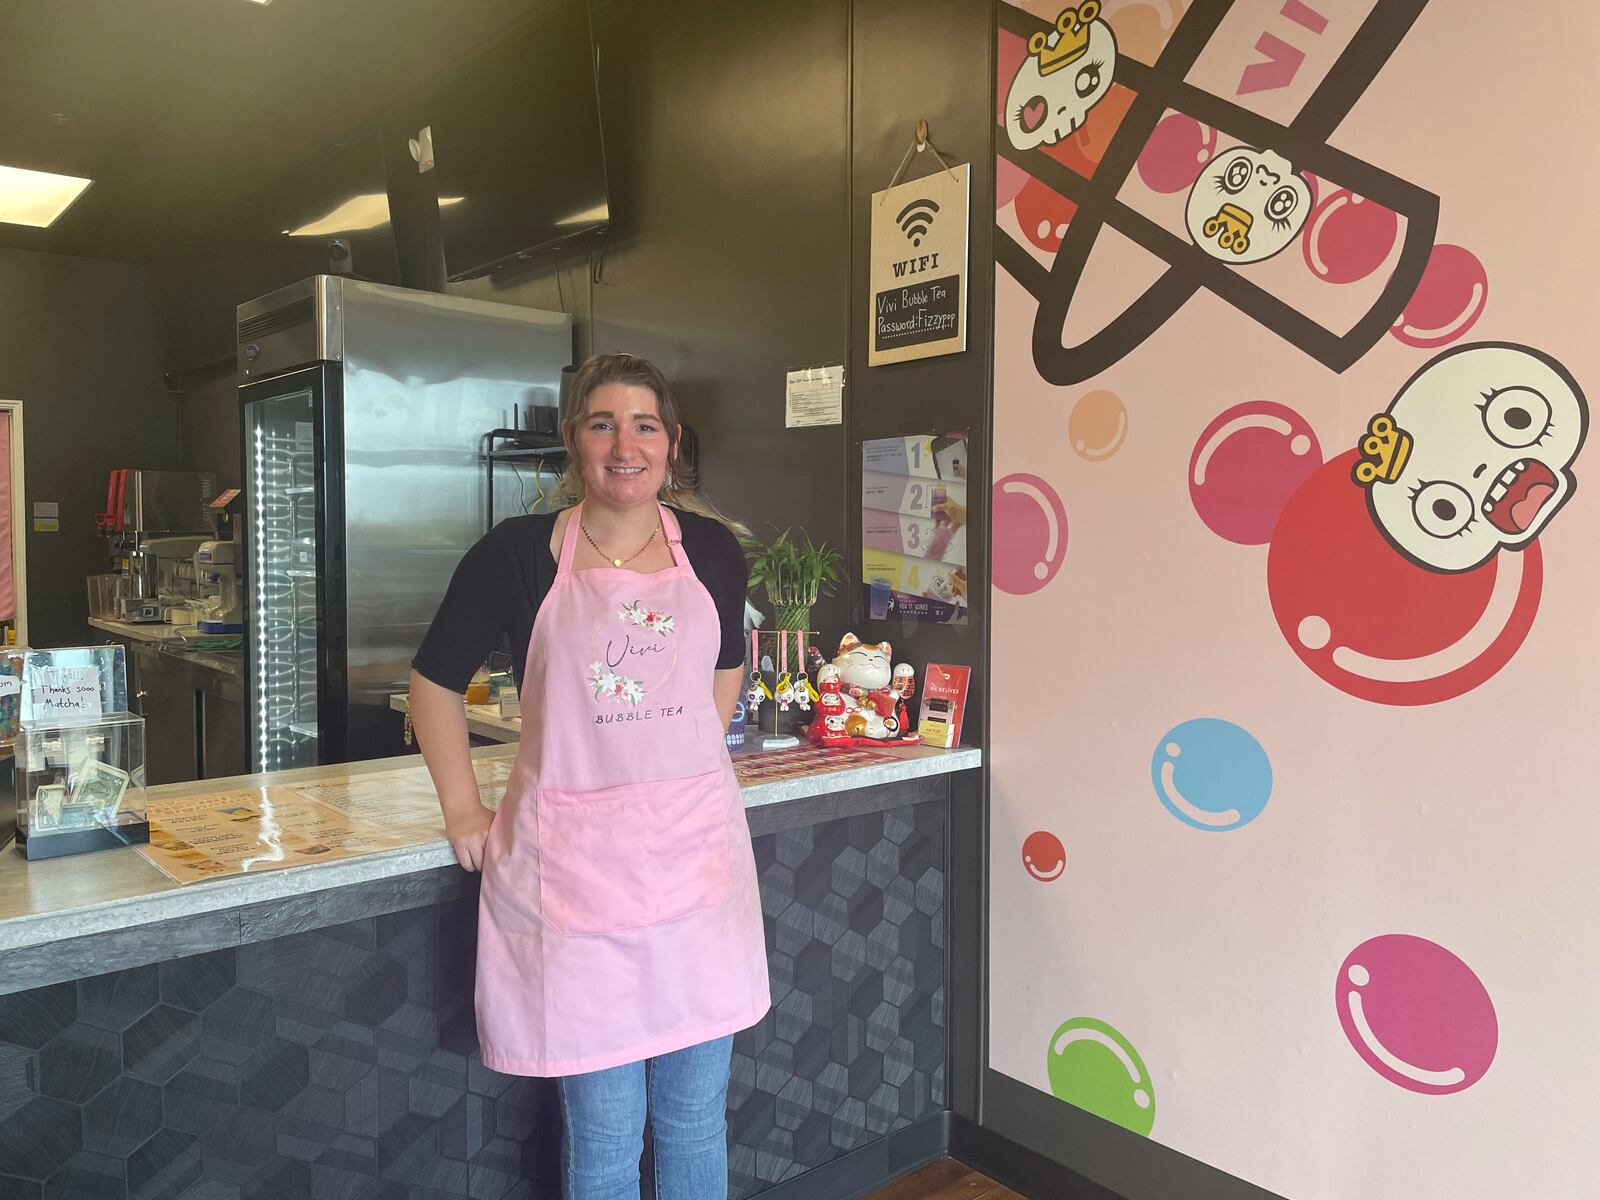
1097	426
1143	29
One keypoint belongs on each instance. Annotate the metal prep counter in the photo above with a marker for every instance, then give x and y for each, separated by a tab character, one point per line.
192	701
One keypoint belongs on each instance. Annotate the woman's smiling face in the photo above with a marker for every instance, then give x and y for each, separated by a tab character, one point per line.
622	445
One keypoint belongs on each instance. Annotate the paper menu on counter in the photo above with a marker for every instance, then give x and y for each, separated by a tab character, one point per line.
193	838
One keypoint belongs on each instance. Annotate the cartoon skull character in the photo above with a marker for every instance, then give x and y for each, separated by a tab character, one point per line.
1247	205
1474	454
1067	72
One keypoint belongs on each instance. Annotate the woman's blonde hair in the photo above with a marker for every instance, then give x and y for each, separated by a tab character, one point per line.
681	488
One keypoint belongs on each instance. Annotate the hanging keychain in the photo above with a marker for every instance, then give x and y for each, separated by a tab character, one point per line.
802	686
758	691
785	691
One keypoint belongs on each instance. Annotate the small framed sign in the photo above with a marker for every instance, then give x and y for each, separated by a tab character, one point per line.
918	270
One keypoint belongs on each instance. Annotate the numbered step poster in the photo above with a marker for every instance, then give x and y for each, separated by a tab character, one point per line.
914	528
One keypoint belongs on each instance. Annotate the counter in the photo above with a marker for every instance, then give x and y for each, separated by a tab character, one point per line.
483	720
192	701
309	1030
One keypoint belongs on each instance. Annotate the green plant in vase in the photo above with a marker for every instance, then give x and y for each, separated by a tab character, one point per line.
793	576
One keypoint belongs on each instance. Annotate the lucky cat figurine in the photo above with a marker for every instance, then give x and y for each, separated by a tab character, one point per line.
861	697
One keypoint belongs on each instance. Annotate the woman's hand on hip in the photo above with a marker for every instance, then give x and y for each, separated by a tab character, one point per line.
469	834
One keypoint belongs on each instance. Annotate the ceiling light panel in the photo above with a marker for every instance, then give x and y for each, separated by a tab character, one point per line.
36	198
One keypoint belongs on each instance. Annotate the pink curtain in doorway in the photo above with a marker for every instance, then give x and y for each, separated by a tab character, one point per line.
8	590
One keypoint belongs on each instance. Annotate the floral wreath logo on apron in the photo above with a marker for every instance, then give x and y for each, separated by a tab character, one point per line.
630	665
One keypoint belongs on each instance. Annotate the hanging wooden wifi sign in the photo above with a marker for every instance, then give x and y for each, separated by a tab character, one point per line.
919	268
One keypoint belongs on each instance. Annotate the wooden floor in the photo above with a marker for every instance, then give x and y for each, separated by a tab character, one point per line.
945	1179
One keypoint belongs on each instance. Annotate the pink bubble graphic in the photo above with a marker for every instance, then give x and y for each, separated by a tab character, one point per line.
1030	534
1175	153
1043	856
1416	1014
1447	302
1348	237
1008	181
1011	51
1246	465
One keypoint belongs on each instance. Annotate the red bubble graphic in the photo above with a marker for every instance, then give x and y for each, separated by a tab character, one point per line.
1246	465
1175	153
1044	215
1044	857
1030	534
1347	237
1416	1014
1447	302
1375	625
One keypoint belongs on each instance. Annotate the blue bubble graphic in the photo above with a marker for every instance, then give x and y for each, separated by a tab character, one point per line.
1211	774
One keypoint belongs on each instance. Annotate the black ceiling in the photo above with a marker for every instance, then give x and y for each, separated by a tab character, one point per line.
186	112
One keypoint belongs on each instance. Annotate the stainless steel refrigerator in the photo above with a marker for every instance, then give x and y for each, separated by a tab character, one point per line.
365	412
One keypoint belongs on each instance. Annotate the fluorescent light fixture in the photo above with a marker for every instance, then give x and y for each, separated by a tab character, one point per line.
36	198
367	211
263	3
588	216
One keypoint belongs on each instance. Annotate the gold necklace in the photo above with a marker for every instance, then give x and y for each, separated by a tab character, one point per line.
617	562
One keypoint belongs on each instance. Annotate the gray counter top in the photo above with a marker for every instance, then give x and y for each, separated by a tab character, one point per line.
168	639
61	902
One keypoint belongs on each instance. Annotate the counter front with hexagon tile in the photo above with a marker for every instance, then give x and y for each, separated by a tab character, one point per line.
279	985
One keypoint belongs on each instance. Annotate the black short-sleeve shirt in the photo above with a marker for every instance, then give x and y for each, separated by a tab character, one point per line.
500	583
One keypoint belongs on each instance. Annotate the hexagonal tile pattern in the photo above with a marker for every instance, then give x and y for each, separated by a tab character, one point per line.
848	1052
79	1062
30	1019
19	1078
197	982
117	1000
161	1043
341	1062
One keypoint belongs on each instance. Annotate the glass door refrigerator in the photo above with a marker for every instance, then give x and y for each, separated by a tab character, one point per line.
365	410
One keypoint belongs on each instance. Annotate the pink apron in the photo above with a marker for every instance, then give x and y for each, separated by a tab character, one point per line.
619	917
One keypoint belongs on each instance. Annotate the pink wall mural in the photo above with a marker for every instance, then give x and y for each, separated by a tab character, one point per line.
1294	871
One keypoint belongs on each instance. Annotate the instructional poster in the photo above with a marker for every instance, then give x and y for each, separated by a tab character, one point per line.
914	528
264	829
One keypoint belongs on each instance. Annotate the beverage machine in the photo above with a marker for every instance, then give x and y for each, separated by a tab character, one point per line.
155	521
365	413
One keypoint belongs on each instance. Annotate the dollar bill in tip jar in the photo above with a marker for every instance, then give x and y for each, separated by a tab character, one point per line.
99	791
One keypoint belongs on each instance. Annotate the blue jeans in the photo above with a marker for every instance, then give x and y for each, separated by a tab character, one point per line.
686	1093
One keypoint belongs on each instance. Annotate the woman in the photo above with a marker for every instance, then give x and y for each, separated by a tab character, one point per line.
620	940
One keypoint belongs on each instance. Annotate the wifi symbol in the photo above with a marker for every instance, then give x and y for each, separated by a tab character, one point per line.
915	218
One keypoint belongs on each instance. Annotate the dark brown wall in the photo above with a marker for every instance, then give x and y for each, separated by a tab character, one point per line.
80	348
727	262
208	425
933	61
946	82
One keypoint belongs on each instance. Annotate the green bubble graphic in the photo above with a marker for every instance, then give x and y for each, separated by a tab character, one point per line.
1094	1067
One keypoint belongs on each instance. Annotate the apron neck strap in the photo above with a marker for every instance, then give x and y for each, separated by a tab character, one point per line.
674	535
569	542
669	529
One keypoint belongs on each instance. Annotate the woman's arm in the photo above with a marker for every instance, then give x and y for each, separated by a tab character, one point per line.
726	689
439	718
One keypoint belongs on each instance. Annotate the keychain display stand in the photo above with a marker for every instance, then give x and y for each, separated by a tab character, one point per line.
790	684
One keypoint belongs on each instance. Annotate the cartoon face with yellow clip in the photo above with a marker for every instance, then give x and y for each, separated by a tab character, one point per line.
1067	72
1474	455
1247	205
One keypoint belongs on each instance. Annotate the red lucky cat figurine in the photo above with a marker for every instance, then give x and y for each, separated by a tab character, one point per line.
862	699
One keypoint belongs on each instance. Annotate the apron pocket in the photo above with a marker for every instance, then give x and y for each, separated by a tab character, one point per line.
632	856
